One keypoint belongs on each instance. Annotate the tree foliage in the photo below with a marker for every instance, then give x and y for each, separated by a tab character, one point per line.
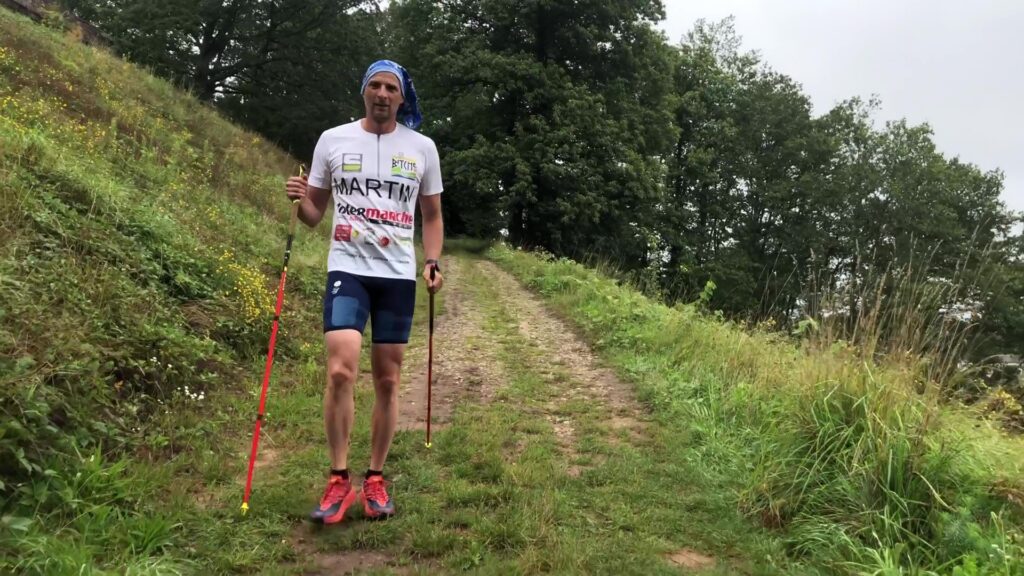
282	67
574	126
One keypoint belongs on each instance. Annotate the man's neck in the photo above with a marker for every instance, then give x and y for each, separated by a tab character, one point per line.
373	127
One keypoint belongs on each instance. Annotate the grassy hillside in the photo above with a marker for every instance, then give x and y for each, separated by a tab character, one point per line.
140	240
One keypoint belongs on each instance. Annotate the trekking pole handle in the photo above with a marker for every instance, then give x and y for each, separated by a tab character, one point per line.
302	172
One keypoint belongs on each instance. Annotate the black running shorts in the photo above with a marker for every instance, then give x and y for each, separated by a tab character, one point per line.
350	300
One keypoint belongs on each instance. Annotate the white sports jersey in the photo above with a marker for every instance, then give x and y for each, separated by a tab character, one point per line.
375	181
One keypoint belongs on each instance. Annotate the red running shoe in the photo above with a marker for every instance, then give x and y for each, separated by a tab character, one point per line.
338	496
376	503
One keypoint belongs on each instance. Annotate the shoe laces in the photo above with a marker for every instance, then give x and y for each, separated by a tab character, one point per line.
375	489
335	491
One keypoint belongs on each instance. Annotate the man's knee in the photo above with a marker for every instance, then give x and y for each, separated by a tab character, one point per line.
341	376
386	385
387	368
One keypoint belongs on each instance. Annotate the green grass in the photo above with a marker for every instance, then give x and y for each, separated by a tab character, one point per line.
855	468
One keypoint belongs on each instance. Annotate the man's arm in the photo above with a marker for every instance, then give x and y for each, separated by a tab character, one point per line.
433	226
433	236
313	202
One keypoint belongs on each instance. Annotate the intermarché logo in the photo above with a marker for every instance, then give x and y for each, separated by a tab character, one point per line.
377	216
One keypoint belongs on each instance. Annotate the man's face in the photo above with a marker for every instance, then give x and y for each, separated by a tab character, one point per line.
382	97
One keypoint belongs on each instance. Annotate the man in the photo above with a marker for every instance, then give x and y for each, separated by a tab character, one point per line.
376	168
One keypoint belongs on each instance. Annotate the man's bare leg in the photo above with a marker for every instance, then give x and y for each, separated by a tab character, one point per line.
387	368
339	401
339	413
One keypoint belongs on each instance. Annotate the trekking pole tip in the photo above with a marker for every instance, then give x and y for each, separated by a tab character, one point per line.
245	508
428	444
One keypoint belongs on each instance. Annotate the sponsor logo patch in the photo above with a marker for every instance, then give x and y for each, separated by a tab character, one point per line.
343	233
403	167
351	162
375	216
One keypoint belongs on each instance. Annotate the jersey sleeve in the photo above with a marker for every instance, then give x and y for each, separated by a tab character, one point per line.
431	183
319	169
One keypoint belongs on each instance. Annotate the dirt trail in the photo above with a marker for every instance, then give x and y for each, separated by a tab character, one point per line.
466	369
573	367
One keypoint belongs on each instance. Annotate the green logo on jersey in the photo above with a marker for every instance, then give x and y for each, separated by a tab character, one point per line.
351	162
403	167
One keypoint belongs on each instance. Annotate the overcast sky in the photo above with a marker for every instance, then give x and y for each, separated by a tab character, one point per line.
959	66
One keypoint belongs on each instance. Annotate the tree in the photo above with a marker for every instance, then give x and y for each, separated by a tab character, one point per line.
780	208
279	66
743	178
552	117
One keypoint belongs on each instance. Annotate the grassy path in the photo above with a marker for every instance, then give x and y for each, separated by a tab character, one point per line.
543	462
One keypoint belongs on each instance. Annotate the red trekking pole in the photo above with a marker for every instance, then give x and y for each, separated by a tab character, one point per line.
430	355
270	352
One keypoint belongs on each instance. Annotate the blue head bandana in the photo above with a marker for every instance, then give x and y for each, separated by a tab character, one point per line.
409	112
